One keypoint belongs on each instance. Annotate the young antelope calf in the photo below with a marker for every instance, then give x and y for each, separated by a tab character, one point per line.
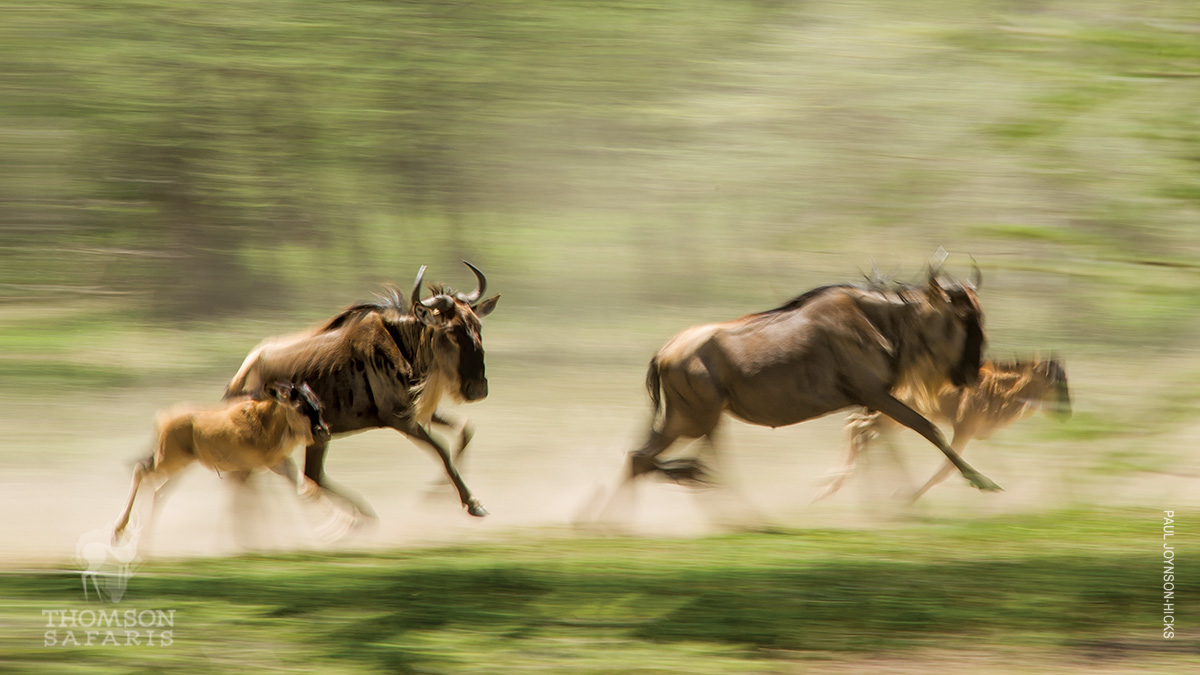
238	437
1005	393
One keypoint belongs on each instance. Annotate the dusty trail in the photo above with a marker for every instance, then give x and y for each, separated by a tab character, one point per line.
531	471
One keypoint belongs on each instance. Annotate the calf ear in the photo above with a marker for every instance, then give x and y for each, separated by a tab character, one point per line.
484	308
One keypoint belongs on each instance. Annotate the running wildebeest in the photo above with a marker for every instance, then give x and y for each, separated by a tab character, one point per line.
238	437
385	364
831	348
1006	392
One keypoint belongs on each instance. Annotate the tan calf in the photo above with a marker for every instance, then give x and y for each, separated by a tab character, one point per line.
238	437
1005	393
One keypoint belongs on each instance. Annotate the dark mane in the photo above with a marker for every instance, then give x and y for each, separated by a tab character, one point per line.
389	300
442	289
874	285
804	298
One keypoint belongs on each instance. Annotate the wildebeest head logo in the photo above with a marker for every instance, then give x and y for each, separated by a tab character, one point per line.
106	564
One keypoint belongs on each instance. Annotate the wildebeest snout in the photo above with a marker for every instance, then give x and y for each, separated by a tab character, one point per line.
475	389
321	433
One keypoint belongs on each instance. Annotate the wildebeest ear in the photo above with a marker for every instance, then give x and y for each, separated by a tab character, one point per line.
484	308
281	390
435	309
934	290
423	313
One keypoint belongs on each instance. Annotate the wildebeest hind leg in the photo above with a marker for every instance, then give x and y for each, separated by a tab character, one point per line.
314	471
892	407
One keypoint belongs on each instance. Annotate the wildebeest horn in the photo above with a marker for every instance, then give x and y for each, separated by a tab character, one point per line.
416	291
480	286
976	275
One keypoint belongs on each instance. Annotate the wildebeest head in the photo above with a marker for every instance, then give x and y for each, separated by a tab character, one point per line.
962	322
456	338
306	403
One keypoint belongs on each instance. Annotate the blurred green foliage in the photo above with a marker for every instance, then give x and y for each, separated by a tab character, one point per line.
1072	583
204	159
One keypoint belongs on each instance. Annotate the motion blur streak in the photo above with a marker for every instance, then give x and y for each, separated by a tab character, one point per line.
179	180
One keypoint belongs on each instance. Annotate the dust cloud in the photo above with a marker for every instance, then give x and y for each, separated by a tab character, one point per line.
553	473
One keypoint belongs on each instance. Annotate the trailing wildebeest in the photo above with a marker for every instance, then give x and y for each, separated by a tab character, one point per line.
236	437
1006	392
831	348
385	364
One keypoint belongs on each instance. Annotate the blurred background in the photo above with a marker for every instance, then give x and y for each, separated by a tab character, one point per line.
179	180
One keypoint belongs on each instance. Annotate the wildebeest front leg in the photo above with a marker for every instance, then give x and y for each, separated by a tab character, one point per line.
417	432
307	488
893	408
465	433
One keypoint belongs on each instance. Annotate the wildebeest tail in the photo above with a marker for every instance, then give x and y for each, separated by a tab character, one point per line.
654	384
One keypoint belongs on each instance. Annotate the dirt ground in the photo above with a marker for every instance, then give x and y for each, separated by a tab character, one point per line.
539	459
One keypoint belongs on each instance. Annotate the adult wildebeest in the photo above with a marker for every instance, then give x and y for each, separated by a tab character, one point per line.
831	348
238	437
1006	392
384	364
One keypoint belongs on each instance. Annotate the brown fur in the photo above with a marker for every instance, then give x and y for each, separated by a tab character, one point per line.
1006	392
238	437
385	364
831	348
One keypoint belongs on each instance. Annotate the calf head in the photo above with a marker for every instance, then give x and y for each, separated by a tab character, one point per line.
1058	395
304	401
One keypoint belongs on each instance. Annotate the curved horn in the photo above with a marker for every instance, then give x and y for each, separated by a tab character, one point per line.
416	291
480	286
976	275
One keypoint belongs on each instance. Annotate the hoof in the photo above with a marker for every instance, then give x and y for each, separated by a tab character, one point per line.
685	472
982	482
476	509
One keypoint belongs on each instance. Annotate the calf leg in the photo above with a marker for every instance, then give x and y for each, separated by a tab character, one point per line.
139	472
893	408
958	444
863	426
164	464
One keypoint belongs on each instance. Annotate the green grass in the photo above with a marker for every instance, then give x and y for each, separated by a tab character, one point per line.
1055	583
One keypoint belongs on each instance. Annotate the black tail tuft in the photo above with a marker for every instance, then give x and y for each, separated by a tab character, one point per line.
654	384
